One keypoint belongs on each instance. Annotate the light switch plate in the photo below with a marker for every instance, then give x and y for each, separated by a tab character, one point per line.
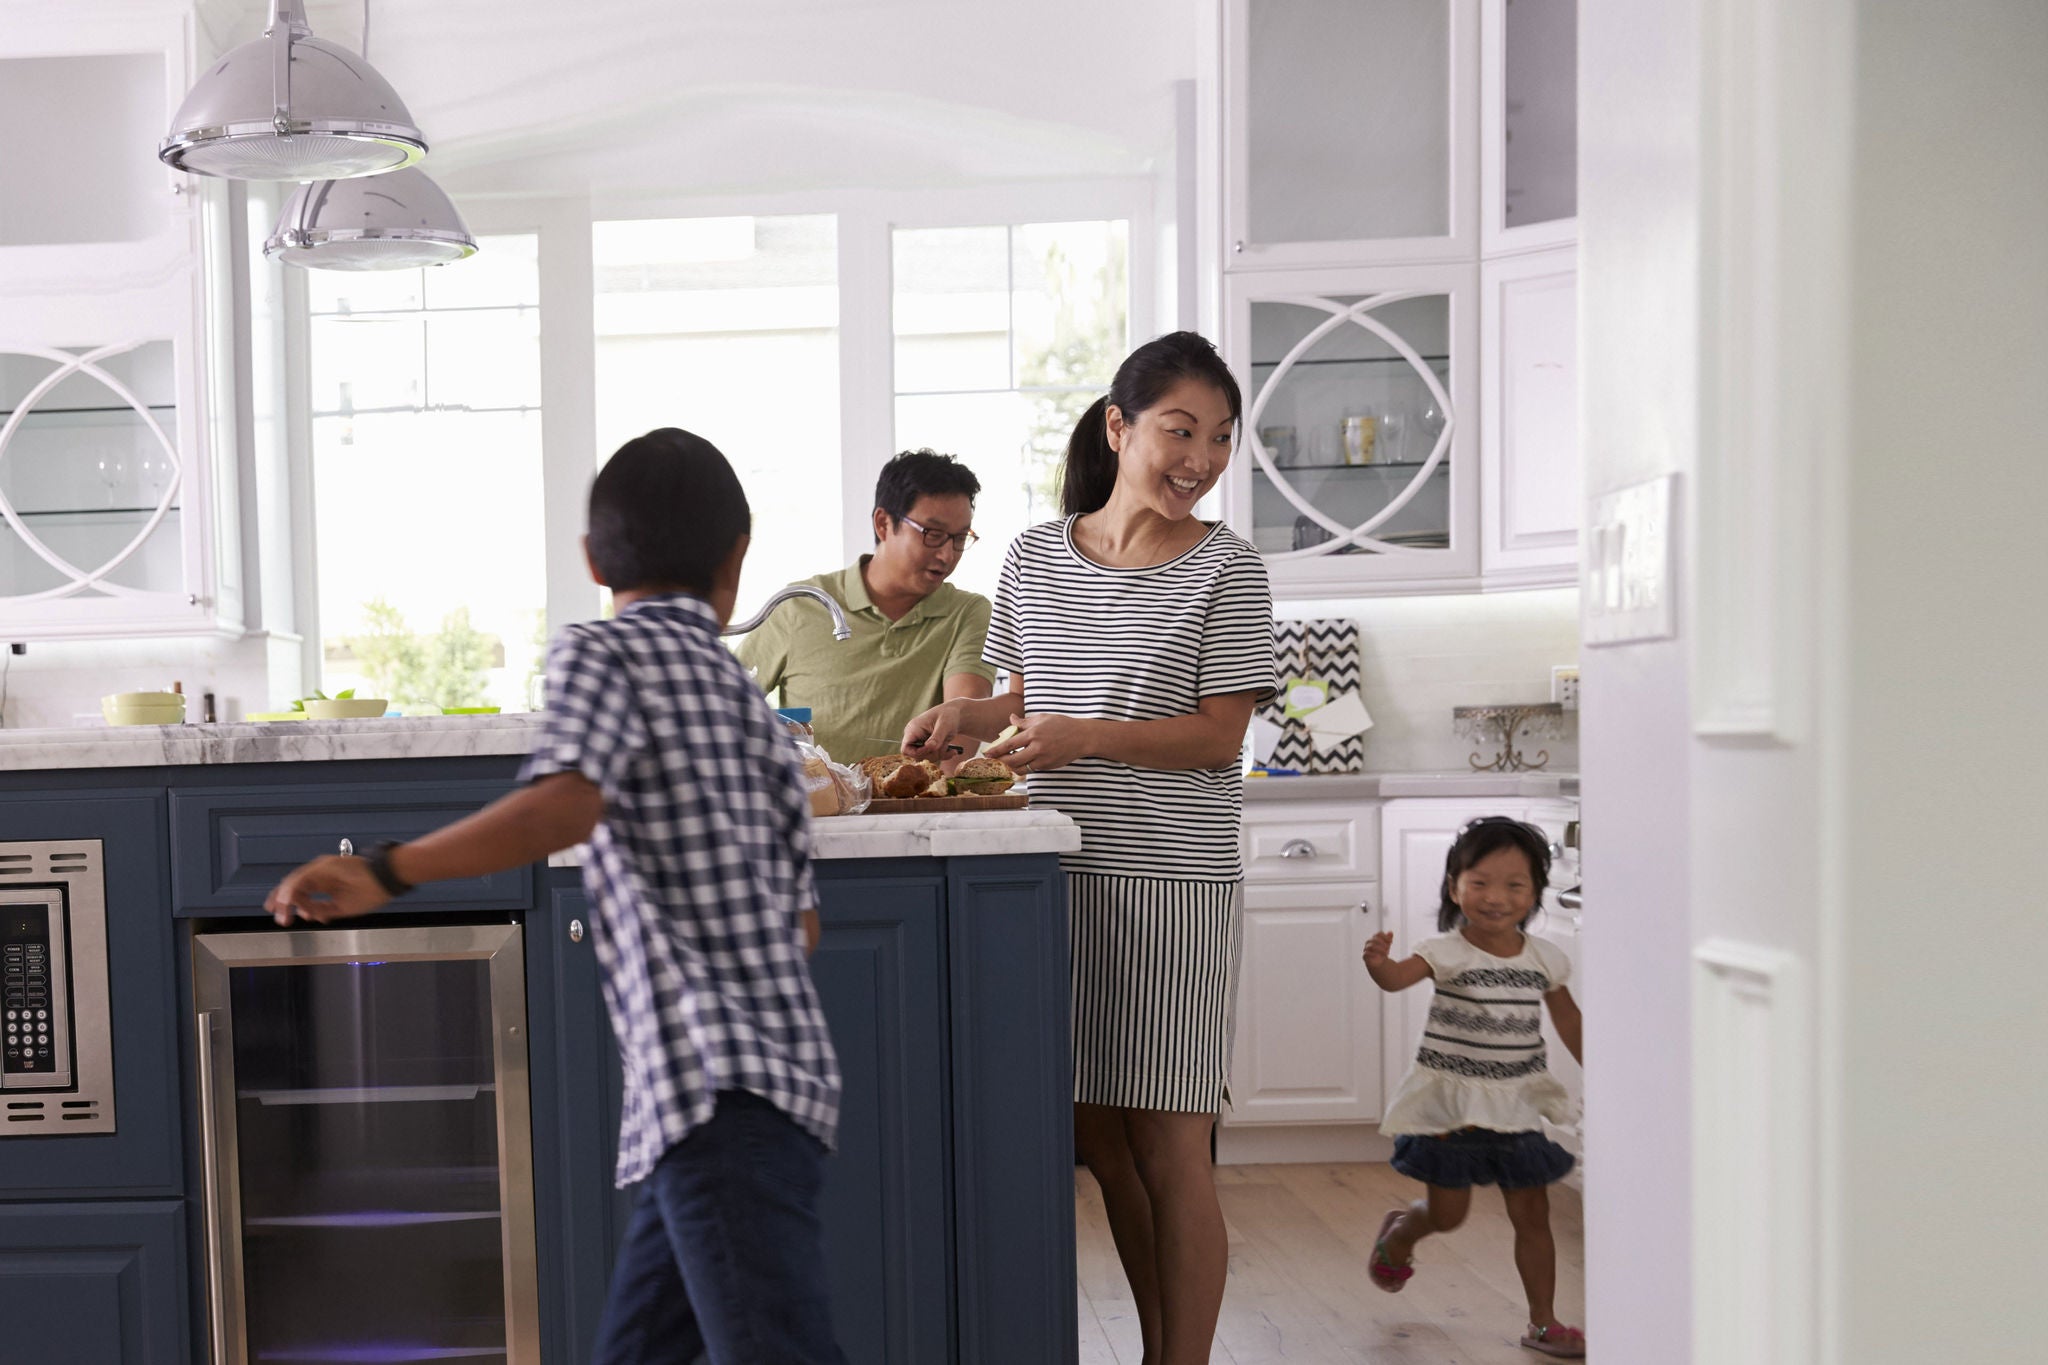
1631	581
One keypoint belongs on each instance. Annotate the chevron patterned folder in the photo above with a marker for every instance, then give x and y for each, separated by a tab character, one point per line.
1327	650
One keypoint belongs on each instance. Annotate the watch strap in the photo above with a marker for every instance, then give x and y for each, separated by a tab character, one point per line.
380	868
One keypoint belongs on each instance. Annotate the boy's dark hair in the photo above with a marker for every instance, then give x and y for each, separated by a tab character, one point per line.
915	474
665	511
1089	471
1482	838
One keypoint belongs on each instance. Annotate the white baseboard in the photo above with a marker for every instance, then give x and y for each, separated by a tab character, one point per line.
1281	1144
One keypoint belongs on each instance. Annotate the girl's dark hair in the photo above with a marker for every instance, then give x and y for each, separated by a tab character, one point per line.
1089	471
1481	839
665	511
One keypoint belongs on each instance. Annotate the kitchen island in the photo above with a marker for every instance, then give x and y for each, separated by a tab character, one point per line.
943	972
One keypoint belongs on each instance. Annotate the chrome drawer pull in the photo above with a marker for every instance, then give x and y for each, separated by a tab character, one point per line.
1297	848
348	848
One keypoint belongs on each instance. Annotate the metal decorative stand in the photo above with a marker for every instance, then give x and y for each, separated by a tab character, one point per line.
1500	725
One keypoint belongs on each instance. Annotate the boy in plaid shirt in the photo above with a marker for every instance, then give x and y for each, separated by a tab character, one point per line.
662	754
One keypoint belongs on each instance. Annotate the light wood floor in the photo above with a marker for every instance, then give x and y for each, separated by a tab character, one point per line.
1299	1239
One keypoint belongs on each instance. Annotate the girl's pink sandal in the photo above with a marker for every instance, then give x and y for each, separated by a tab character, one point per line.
1557	1339
1383	1272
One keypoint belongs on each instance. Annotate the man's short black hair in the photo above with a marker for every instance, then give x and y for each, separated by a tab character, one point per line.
665	511
918	474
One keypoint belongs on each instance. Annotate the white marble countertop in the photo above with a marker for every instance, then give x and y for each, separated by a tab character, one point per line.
960	834
288	741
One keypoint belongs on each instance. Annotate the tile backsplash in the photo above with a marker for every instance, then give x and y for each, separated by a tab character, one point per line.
1421	656
58	681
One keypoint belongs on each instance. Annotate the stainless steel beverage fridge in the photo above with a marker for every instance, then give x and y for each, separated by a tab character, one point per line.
368	1156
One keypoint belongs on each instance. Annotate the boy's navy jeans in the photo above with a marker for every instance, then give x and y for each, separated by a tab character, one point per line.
724	1258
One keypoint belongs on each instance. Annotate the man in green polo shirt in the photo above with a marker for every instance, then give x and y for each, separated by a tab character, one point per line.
917	639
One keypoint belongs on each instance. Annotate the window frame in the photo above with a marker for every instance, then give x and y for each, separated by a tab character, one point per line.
867	220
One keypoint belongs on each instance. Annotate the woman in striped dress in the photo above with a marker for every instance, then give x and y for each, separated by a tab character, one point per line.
1138	639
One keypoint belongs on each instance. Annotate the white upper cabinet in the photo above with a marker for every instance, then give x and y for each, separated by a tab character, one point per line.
1529	125
1350	131
1358	462
1398	286
118	500
1529	428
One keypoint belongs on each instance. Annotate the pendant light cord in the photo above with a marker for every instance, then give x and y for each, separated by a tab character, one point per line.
366	30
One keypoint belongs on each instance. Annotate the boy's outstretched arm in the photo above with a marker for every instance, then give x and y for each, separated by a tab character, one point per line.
1564	1012
1388	974
549	814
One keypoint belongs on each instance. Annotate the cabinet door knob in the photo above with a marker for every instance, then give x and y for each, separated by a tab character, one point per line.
348	848
575	931
1237	247
1365	907
1297	848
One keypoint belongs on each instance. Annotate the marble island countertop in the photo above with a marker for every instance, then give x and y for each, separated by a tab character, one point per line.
303	741
954	834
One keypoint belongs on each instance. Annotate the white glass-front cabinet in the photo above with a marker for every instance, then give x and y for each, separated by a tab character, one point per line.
1349	131
118	506
1399	191
1358	460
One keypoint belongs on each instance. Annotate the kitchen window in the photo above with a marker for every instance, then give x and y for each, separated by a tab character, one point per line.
1002	337
729	327
426	463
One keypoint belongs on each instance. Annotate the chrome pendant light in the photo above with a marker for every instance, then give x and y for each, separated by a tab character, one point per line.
289	106
398	221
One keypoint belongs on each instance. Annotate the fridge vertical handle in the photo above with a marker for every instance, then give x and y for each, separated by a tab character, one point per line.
209	1142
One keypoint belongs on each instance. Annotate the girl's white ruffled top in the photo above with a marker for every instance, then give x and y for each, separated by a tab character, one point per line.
1482	1063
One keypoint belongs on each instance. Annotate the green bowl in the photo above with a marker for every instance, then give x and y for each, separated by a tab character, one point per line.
354	708
469	710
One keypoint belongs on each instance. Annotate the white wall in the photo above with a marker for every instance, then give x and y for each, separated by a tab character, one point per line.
1638	193
1421	656
1942	998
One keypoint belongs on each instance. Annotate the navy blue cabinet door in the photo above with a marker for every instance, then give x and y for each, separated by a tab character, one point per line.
141	1156
1012	1111
879	971
577	1089
93	1284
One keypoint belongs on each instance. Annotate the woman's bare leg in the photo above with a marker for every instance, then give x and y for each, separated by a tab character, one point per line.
1101	1143
1192	1246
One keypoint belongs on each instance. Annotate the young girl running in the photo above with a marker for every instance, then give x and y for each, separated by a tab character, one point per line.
1469	1111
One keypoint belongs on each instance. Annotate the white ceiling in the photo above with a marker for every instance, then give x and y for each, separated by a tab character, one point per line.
641	97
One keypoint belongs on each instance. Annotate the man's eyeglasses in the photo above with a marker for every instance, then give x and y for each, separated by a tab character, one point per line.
934	539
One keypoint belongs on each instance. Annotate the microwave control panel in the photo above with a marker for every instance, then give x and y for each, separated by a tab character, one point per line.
35	1011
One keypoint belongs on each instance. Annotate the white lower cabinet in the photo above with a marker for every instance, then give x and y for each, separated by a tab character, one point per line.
1308	1017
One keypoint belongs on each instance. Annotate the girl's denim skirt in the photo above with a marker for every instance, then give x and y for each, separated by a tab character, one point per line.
1481	1156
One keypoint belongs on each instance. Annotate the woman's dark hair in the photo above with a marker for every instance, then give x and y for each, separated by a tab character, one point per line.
1482	838
665	511
1089	471
918	474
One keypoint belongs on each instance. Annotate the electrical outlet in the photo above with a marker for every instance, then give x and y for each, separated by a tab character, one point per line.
1564	686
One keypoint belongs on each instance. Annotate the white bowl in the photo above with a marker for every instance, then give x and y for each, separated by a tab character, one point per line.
354	708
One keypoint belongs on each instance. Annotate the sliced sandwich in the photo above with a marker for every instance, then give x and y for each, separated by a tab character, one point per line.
981	777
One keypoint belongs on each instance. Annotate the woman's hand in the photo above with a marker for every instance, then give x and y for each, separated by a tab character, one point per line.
931	735
1378	949
1042	743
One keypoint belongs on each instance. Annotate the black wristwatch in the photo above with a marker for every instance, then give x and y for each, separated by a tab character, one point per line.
380	868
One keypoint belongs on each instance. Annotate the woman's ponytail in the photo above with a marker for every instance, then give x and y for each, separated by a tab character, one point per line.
1089	471
1088	474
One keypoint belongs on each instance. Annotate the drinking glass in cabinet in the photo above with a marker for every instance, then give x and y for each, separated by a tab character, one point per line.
1368	379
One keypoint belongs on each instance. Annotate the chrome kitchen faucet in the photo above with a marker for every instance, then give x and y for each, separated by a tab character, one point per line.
840	630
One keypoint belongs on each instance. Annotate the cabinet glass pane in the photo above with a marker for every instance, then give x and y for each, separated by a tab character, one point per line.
367	1142
82	166
1351	423
1348	129
1541	111
84	473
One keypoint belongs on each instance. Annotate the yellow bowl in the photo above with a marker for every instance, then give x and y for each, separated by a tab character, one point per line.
133	700
266	716
355	708
143	715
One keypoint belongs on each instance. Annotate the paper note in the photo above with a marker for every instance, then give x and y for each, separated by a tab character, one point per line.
1266	737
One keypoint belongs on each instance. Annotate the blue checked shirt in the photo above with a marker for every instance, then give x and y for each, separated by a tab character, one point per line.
699	871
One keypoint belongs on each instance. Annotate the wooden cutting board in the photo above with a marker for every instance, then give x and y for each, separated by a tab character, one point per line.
945	805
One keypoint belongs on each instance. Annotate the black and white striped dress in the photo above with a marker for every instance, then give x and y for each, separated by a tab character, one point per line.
1154	888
